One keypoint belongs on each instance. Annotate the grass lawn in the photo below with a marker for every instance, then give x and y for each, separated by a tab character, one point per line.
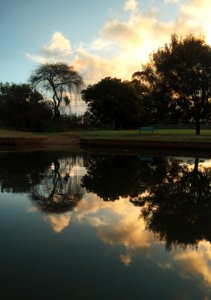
159	134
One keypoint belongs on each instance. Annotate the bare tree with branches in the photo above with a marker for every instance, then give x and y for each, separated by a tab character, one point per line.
59	80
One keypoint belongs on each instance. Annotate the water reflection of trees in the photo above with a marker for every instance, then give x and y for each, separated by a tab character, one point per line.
58	191
115	176
20	171
178	210
45	176
175	198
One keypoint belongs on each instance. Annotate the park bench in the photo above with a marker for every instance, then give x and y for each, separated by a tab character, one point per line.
146	129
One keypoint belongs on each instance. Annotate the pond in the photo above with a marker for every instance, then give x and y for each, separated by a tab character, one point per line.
104	226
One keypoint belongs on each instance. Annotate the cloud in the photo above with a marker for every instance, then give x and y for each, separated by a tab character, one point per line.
38	58
130	5
172	1
197	14
93	67
58	47
100	44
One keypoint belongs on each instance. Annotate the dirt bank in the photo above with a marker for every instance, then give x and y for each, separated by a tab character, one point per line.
42	141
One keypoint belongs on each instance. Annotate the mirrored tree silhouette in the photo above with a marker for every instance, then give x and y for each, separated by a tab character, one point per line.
20	171
115	176
178	210
59	192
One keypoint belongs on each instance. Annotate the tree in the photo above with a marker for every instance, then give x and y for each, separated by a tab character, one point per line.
58	80
113	103
182	71
23	108
153	97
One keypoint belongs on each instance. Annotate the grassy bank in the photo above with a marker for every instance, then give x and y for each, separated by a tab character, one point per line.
127	139
162	134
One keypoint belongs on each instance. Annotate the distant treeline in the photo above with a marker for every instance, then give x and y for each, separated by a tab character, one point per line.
173	87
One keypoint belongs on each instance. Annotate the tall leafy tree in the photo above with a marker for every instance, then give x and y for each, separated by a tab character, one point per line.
181	71
60	82
23	108
113	103
153	97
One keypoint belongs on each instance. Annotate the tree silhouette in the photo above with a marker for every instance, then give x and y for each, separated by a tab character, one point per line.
113	103
181	73
58	80
23	108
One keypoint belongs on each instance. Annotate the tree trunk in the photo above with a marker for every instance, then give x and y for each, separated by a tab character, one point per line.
197	127
56	113
196	164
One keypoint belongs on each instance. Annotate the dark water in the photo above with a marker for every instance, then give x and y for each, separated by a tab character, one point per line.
104	226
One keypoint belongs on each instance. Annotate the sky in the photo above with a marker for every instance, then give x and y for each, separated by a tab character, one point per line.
98	38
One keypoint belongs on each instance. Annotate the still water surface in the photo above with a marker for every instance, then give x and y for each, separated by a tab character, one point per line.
104	226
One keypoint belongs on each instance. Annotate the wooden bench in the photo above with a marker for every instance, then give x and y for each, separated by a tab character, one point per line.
146	129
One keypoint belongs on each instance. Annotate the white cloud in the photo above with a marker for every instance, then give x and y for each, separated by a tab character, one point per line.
172	1
59	46
38	58
59	49
130	5
100	44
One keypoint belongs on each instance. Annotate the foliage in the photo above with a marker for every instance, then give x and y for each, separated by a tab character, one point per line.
23	108
113	103
153	99
59	81
180	73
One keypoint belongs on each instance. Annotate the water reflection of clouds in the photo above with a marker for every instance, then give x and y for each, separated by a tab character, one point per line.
196	262
118	224
59	222
190	163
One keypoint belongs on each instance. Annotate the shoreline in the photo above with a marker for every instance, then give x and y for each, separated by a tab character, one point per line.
143	143
148	144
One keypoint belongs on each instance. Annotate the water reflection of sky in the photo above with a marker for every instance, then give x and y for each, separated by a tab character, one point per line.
118	224
113	232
